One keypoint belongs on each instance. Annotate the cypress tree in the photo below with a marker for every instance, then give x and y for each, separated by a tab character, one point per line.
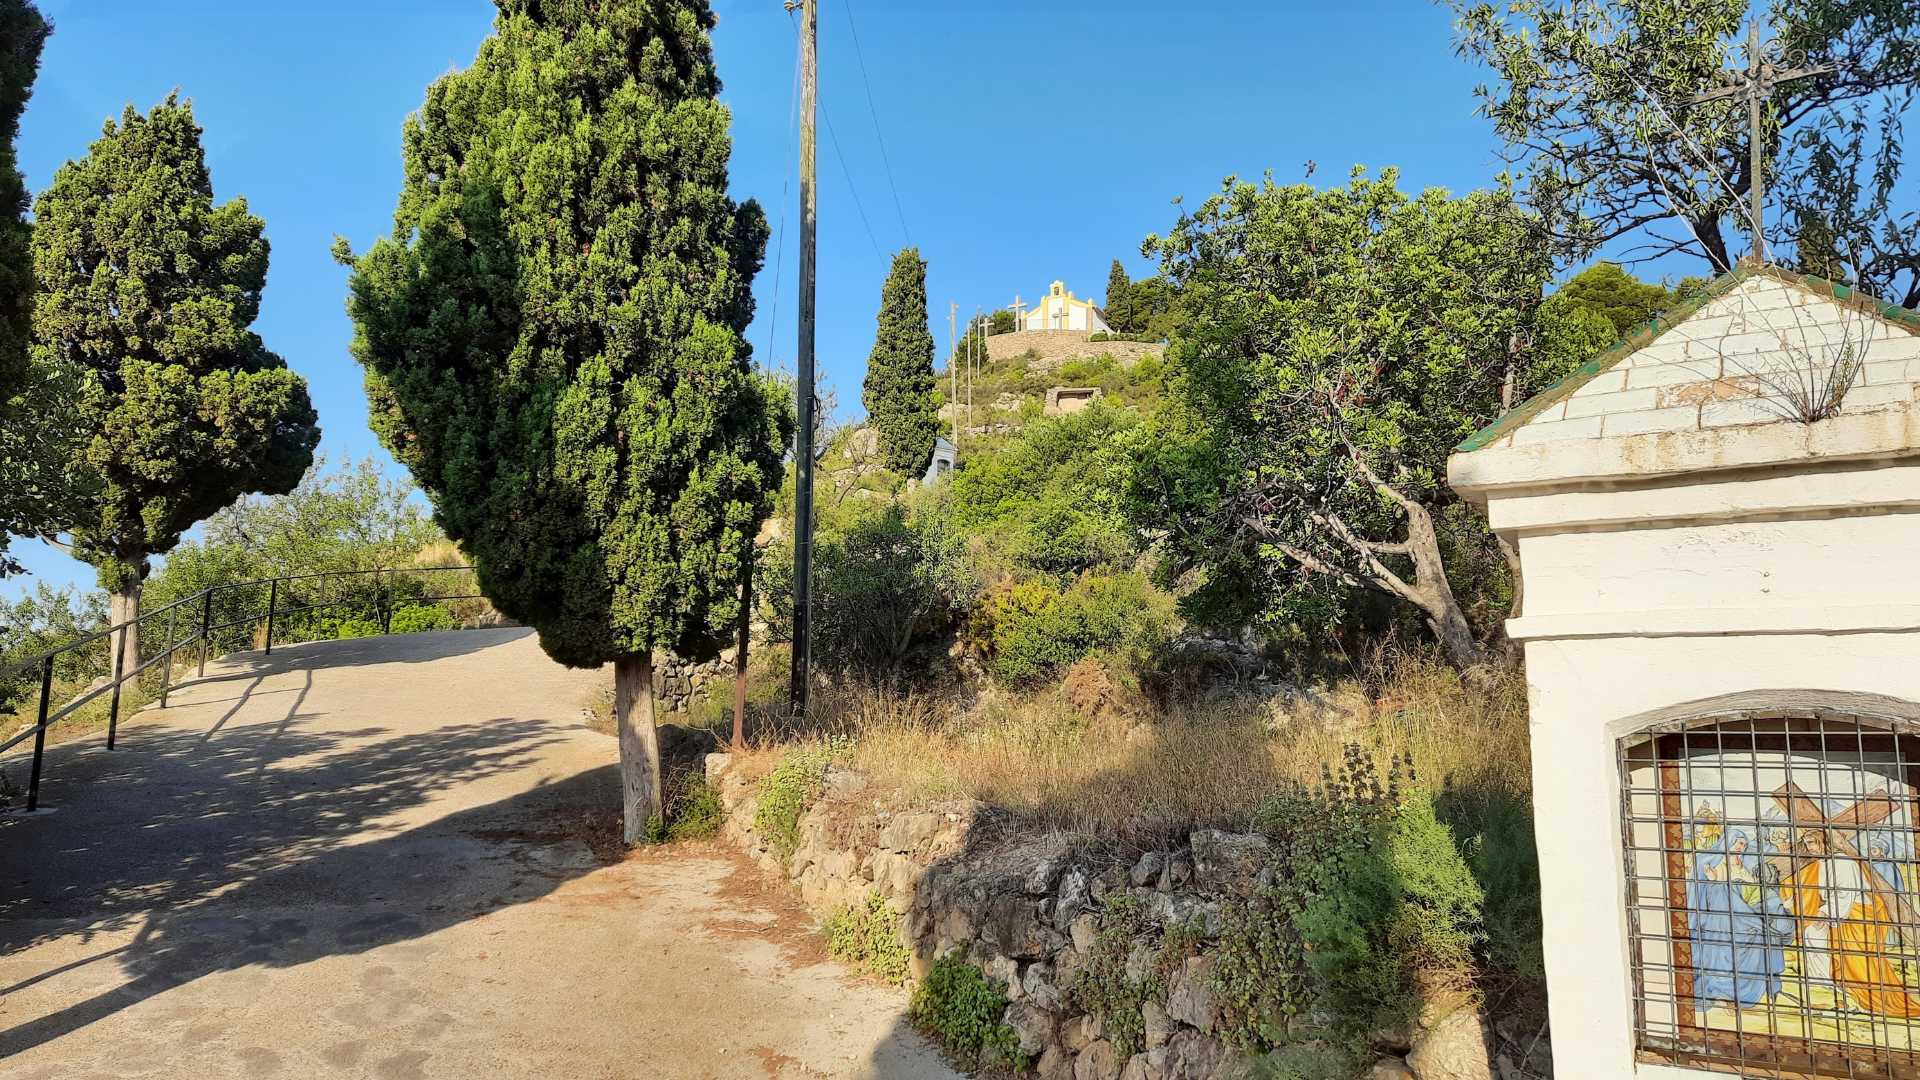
554	341
899	389
1119	301
146	294
22	448
22	34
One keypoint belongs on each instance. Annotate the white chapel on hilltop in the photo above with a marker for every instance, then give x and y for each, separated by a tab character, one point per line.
1061	310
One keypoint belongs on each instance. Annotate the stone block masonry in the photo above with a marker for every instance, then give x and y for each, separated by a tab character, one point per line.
1050	349
1031	914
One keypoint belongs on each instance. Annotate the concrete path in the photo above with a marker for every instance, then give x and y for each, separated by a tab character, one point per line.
377	858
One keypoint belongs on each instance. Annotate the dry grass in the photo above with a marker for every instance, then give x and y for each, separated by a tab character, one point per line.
1216	764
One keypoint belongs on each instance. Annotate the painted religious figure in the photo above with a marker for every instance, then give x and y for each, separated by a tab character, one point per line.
1796	922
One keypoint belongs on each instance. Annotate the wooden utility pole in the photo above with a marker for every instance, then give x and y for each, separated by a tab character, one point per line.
803	438
953	371
1756	84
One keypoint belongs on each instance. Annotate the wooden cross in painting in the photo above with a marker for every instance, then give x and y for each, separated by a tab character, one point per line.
1831	830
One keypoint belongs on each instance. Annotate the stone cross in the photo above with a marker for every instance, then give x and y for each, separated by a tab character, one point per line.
1756	84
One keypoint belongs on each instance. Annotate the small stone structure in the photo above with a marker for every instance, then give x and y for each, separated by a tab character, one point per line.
1722	630
1070	399
946	458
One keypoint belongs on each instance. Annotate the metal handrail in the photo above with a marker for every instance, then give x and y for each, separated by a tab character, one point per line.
203	635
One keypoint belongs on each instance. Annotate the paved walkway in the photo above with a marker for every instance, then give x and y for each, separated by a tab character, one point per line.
376	858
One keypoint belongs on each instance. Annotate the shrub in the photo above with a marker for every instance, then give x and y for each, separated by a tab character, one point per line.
962	1011
1102	987
869	938
1032	631
693	809
786	793
356	628
415	618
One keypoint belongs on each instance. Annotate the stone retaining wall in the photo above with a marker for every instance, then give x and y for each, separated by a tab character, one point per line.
1028	915
1051	348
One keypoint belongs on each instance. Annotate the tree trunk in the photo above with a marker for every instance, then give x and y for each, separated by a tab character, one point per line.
639	744
1433	593
124	607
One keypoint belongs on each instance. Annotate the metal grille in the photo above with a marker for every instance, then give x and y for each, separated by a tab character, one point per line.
1771	894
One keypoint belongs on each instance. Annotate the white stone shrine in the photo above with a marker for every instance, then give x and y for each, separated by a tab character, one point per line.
1721	622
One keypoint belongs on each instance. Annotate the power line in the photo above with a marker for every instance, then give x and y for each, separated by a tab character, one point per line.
874	113
851	189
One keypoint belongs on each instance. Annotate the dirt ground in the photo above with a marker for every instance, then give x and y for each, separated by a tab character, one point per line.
376	858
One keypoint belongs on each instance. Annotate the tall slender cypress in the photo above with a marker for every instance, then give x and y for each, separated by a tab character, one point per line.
899	388
554	341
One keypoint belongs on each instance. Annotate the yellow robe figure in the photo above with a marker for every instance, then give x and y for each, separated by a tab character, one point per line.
1859	965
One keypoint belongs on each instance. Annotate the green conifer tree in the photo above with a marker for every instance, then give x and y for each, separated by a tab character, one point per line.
554	341
146	292
24	460
1119	307
899	389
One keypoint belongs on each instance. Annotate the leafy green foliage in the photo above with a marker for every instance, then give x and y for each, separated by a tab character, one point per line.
356	628
1594	95
868	937
44	619
1032	630
415	618
898	394
1102	986
147	291
962	1010
1608	290
1338	345
693	810
554	333
24	33
1259	974
787	791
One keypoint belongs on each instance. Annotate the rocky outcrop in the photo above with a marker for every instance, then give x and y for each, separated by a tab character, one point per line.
1029	915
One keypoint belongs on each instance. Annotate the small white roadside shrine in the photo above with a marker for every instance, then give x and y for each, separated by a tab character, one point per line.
1721	620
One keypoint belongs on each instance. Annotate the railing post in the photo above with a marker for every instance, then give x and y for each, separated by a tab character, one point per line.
273	597
206	631
166	657
119	672
382	603
40	735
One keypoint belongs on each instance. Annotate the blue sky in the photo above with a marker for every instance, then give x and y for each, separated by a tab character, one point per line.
1015	162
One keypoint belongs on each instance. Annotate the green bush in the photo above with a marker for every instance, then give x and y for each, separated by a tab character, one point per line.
414	618
1101	986
962	1010
786	793
1031	631
693	809
869	938
356	628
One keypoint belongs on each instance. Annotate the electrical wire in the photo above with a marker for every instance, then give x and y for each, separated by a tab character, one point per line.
873	112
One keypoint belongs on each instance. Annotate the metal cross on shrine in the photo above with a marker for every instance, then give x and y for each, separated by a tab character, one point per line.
1764	72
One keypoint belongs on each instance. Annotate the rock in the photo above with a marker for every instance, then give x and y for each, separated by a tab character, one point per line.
1229	863
1191	999
955	924
1147	870
909	831
1391	1068
1078	1032
842	864
846	781
1177	872
1140	961
1098	1061
1138	1069
716	766
1188	1056
1073	897
1034	1026
1159	1026
1055	1064
1085	930
1016	927
1454	1048
896	875
1004	970
1040	879
1039	986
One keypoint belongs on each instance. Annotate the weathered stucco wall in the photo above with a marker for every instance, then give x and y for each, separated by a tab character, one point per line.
1051	348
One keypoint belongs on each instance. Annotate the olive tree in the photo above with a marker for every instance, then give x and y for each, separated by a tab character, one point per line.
553	338
146	294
